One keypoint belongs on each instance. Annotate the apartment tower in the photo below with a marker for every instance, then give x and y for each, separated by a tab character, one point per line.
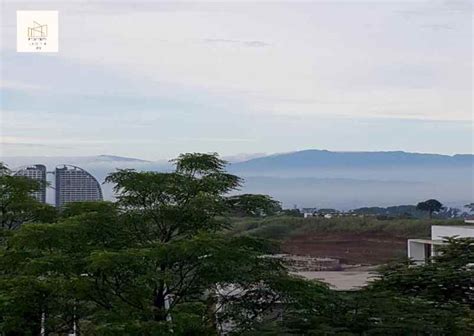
74	184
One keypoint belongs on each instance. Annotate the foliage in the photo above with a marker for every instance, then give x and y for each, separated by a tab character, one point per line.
253	205
432	299
152	263
178	204
379	313
449	278
448	212
399	211
17	205
470	206
292	213
430	206
284	227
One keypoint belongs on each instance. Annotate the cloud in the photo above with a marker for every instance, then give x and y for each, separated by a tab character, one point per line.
231	77
438	27
257	44
13	145
208	139
15	85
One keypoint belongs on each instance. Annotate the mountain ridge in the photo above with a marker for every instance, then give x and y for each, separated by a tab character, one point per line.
322	178
324	158
252	157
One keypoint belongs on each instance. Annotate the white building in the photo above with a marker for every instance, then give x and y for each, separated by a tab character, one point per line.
421	250
74	184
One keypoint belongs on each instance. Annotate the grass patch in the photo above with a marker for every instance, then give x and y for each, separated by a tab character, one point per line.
283	227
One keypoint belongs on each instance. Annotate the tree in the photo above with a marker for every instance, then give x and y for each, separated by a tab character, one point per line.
367	312
155	262
430	206
470	206
448	278
17	205
448	212
253	205
292	212
433	299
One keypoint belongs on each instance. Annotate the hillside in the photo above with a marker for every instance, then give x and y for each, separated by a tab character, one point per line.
346	180
308	162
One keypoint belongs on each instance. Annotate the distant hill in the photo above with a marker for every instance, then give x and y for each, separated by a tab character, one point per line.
320	178
118	158
323	159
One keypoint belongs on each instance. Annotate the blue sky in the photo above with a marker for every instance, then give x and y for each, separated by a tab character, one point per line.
151	79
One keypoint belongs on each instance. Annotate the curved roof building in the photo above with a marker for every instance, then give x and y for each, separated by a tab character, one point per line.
74	184
35	172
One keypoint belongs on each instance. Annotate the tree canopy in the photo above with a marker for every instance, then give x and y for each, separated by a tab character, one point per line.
430	206
154	262
470	206
253	205
17	204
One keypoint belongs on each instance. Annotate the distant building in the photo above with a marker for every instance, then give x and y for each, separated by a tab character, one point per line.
38	173
74	184
309	212
420	250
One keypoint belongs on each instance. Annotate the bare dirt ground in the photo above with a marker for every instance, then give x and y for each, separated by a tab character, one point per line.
349	279
364	249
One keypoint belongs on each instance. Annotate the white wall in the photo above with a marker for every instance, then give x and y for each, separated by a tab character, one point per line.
416	251
439	231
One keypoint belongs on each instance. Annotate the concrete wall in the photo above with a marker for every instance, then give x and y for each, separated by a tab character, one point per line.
439	231
416	251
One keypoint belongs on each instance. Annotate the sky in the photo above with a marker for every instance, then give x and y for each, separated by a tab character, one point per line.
151	79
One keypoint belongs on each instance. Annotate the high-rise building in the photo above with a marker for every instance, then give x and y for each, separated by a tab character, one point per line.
74	184
35	172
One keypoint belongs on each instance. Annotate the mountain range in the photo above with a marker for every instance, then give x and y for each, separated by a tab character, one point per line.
321	178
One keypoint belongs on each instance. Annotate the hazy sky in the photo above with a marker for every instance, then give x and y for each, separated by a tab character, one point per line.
152	79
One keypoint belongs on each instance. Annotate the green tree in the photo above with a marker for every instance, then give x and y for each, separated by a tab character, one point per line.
376	313
152	263
292	212
433	299
430	206
448	278
253	205
470	206
17	205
